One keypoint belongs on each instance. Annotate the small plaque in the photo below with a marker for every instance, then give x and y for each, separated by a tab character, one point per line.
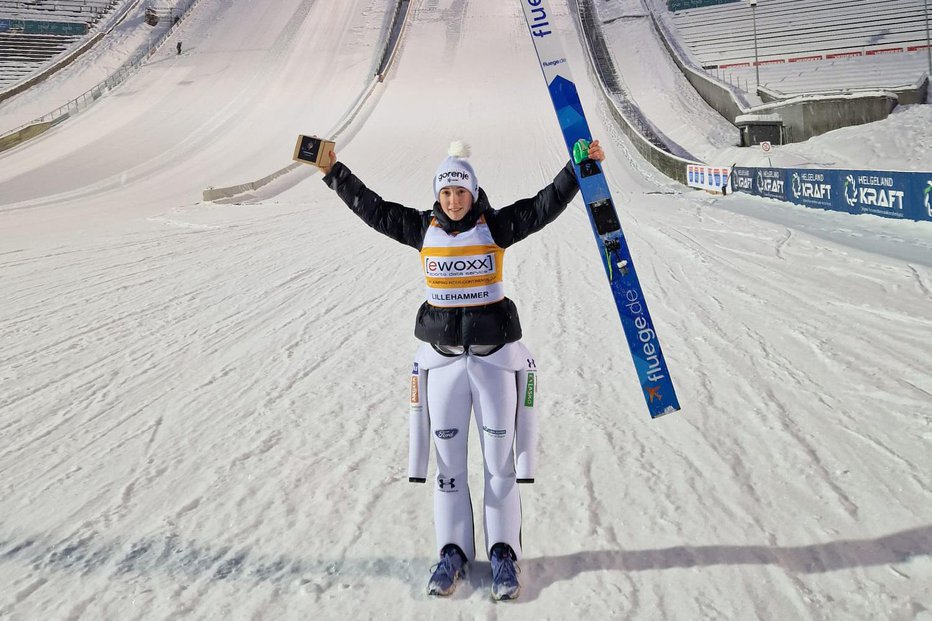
313	150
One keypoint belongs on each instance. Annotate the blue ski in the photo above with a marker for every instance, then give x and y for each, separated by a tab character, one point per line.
626	289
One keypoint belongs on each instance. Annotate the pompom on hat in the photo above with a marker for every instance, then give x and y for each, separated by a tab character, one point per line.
457	171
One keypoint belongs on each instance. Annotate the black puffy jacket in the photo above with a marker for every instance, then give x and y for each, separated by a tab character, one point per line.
491	324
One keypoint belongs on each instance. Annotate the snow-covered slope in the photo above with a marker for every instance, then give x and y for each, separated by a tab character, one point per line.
203	406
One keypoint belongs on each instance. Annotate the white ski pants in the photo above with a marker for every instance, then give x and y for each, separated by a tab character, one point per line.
489	387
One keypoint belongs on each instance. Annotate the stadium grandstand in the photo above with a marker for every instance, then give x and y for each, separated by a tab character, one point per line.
806	46
36	33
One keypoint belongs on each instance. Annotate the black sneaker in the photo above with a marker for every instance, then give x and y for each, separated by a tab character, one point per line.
448	571
505	572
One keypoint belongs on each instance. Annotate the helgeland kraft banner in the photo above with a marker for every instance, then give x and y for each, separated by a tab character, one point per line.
901	195
770	183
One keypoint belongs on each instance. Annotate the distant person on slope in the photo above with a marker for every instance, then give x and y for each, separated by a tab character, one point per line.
472	356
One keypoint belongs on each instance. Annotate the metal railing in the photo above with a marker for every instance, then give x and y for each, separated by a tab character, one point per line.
394	32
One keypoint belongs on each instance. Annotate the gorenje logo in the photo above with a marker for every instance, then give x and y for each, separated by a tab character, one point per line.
452	175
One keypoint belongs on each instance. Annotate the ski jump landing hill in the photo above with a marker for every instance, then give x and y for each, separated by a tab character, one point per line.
663	152
203	406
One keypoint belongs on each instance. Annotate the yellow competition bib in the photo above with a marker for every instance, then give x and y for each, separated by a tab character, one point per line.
464	269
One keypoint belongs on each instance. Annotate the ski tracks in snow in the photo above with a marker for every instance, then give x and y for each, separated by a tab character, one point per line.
199	417
921	282
182	335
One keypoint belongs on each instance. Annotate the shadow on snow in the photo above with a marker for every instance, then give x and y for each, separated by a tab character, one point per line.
189	560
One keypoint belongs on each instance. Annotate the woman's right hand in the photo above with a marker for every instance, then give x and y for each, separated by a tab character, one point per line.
333	160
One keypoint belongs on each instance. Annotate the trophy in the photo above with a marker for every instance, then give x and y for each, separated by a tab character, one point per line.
313	150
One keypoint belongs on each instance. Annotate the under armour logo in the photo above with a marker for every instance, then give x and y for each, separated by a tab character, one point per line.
530	363
443	483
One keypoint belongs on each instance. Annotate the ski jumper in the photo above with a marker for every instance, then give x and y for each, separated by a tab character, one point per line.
471	359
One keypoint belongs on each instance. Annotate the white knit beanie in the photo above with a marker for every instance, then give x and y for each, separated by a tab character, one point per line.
456	170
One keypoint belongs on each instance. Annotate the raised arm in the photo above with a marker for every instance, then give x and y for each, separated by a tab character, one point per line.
401	223
529	215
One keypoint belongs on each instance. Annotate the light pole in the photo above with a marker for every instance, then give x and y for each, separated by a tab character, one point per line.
928	45
753	5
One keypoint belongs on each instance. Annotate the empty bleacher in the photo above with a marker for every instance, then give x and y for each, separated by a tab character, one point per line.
20	54
839	74
808	46
77	11
34	33
722	36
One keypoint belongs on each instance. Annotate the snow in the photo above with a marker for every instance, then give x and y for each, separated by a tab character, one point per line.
902	141
203	405
662	92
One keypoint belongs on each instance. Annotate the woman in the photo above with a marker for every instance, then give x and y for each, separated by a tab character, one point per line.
471	352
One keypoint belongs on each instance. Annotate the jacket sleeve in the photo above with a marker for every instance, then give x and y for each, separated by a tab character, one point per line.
529	215
401	223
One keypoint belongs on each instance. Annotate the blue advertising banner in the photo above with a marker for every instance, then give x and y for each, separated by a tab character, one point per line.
879	193
742	180
37	27
811	188
898	195
926	191
770	183
55	28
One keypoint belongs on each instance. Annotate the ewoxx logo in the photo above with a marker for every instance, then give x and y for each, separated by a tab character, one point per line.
437	267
